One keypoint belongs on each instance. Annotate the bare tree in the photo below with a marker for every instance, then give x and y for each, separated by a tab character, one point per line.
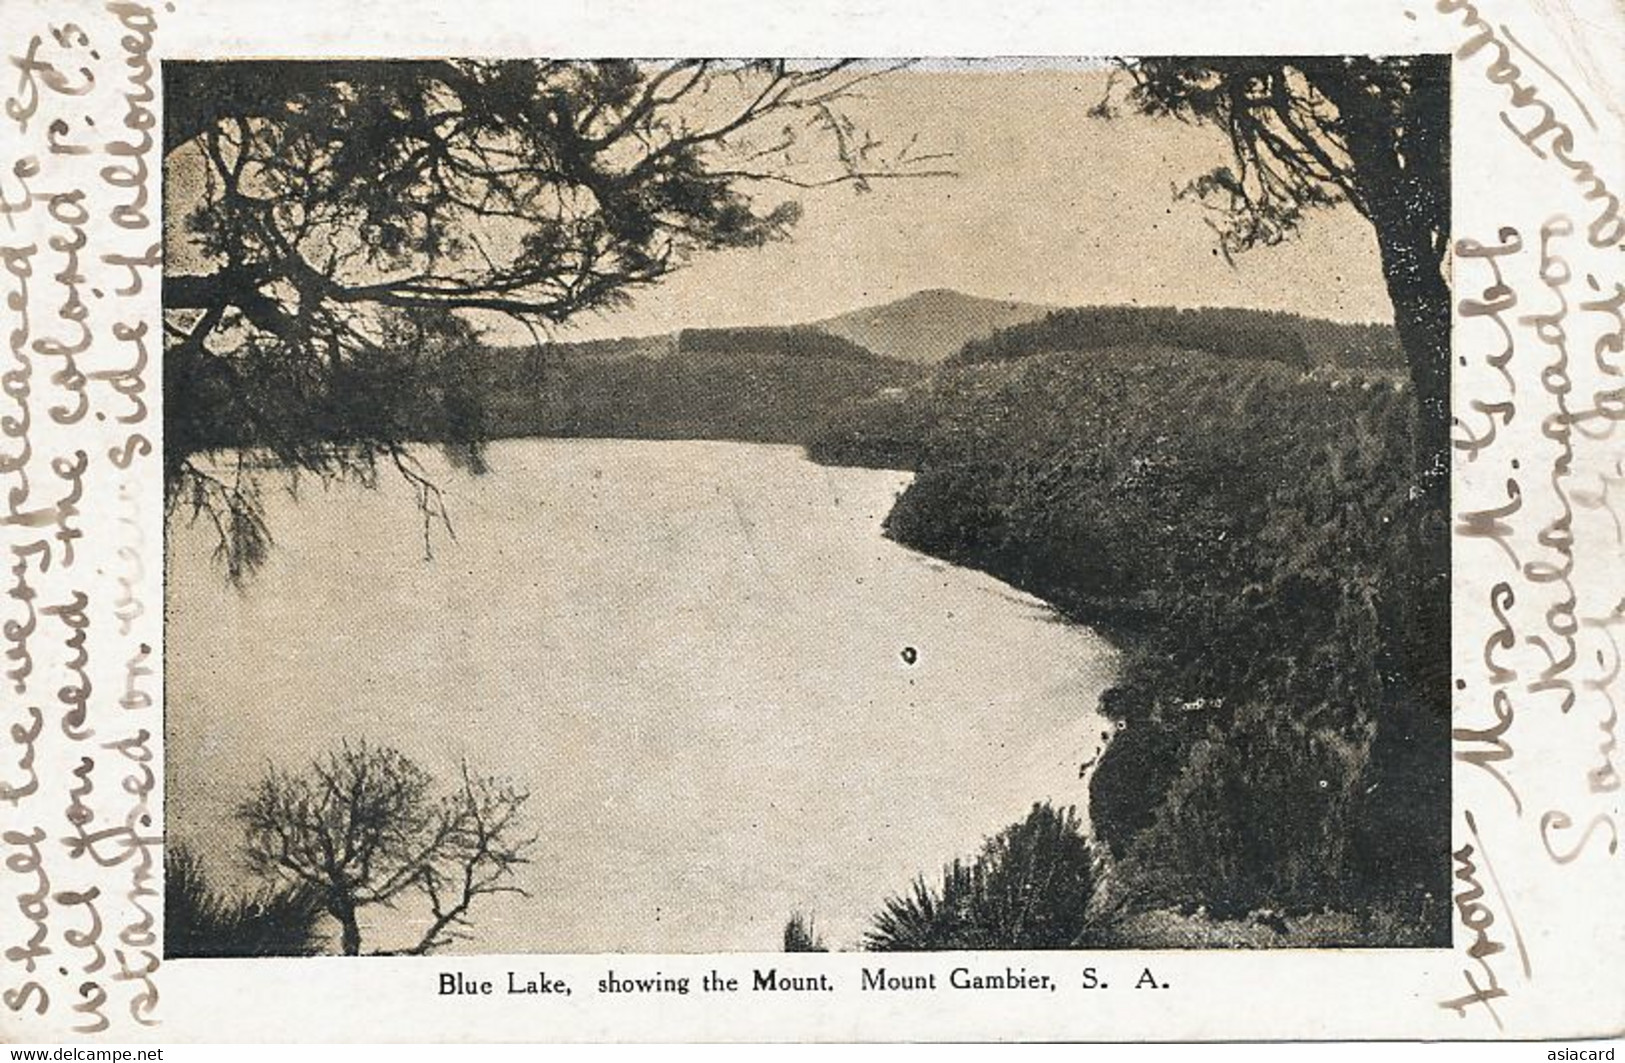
361	828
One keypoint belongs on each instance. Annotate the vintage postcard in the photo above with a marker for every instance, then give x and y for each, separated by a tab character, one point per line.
1058	522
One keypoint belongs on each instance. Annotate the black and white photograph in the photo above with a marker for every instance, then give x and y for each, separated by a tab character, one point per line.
644	506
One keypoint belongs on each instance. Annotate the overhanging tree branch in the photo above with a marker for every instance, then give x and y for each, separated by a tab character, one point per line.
331	211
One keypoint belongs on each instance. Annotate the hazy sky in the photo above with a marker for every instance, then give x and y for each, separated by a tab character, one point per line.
1048	205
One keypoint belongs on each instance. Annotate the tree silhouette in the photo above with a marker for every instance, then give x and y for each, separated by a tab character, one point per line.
324	211
1310	132
361	828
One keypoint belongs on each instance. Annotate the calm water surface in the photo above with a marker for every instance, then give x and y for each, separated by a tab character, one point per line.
693	654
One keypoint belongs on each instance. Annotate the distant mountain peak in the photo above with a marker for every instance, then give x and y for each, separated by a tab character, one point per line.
929	325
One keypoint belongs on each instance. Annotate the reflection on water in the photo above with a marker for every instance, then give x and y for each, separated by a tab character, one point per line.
691	653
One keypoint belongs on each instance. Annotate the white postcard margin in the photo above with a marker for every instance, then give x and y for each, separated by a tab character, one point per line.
1539	587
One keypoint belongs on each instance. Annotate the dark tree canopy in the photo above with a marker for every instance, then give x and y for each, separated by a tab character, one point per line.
329	215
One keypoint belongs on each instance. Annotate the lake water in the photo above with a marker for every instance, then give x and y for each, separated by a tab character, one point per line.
692	653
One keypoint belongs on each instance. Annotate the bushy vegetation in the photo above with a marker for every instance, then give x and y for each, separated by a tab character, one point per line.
201	921
1031	887
801	935
1227	332
1246	532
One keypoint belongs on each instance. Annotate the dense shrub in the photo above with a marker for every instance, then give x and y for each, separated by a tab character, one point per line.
1257	815
201	921
800	935
1031	887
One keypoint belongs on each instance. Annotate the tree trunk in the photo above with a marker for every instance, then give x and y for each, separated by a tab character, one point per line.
1402	165
349	929
1422	318
1401	161
1422	311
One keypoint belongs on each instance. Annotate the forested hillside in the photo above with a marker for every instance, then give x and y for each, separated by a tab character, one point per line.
1292	339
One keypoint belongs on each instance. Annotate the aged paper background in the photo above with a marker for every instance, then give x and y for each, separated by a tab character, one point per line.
1539	589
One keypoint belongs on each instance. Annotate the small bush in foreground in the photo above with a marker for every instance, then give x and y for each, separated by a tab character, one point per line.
1031	887
800	935
200	921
